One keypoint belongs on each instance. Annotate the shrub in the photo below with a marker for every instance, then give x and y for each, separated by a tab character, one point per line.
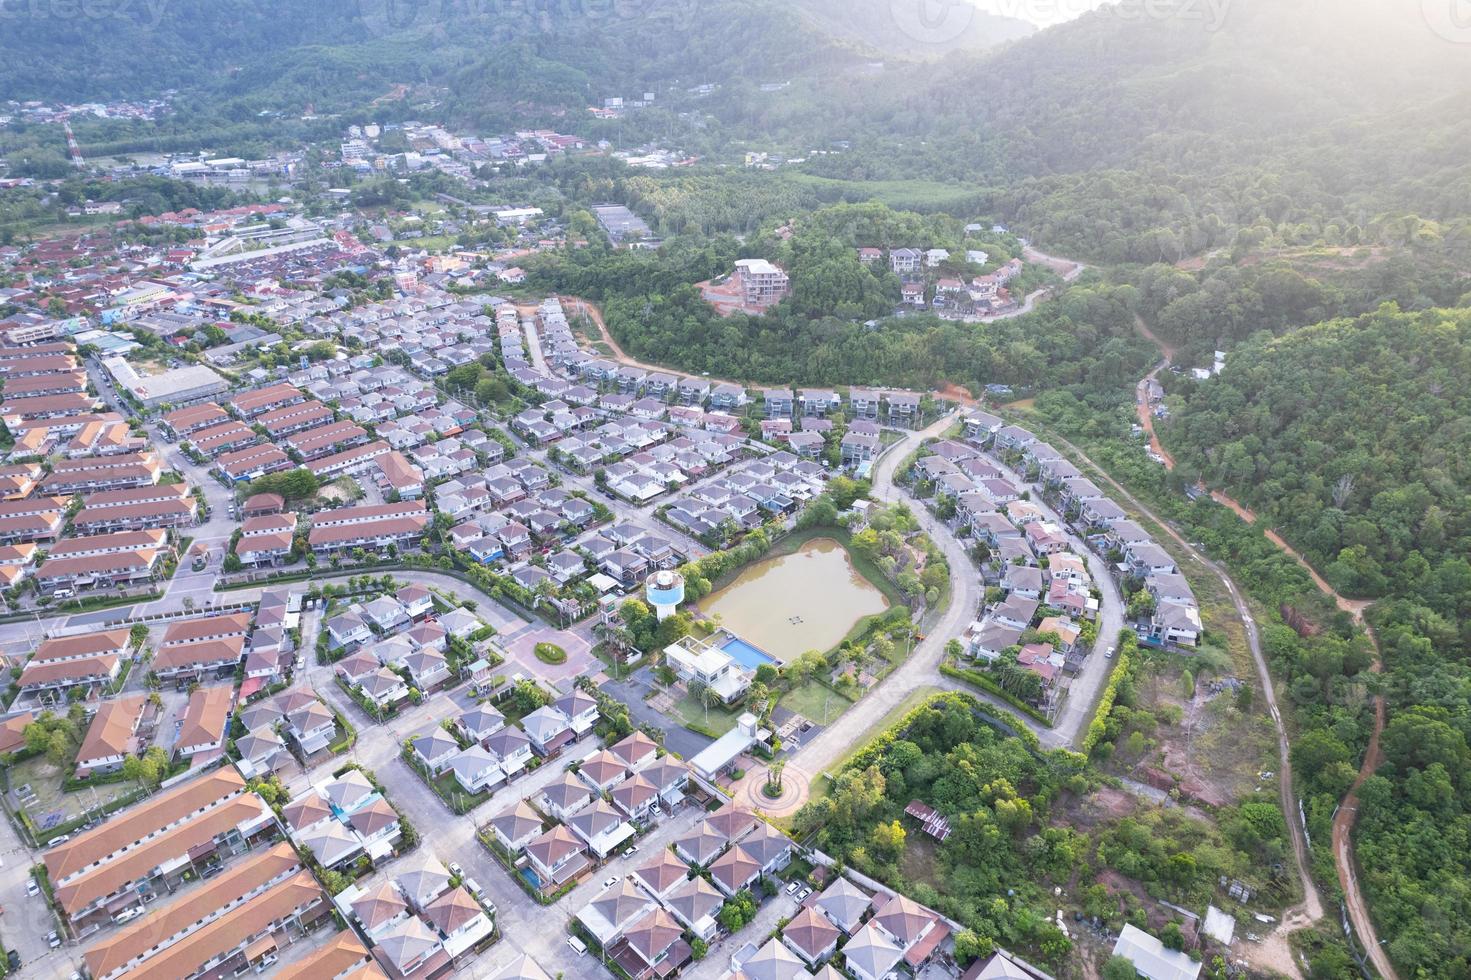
550	653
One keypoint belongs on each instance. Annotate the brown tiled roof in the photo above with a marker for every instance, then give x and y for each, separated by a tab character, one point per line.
184	959
206	716
554	845
663	872
810	932
170	918
60	670
205	652
191	630
61	648
634	747
141	821
248	401
342	953
379	904
118	541
731	821
82	891
12	731
735	868
653	934
112	728
903	918
451	910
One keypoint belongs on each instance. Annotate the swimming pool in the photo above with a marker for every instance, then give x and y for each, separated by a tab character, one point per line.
745	654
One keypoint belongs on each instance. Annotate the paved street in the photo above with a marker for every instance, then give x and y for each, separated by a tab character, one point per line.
27	919
1077	707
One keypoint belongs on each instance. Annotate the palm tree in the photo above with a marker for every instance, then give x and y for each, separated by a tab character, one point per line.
705	694
617	636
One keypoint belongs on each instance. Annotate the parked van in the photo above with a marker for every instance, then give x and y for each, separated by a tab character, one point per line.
578	946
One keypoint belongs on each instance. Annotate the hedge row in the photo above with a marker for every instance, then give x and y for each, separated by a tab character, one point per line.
1098	727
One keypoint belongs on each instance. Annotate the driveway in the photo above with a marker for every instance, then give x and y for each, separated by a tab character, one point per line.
631	691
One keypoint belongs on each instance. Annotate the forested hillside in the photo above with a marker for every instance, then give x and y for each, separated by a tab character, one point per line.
836	327
1353	437
1245	292
341	53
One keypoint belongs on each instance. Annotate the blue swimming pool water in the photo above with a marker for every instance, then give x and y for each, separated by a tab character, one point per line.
746	655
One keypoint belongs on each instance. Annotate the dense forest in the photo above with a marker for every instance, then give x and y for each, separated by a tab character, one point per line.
1353	437
1239	295
837	327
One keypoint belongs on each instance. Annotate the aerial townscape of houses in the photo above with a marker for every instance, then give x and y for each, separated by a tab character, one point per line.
296	750
1047	530
926	284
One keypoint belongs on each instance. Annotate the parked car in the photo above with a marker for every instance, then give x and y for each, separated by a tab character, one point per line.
611	881
577	945
31	887
456	870
128	915
12	960
53	940
792	888
472	886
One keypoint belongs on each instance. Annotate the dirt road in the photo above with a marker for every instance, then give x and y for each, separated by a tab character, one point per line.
1343	821
1276	950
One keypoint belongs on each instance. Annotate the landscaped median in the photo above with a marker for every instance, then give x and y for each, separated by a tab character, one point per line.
550	653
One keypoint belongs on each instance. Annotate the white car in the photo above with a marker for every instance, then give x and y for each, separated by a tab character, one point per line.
31	887
456	870
611	881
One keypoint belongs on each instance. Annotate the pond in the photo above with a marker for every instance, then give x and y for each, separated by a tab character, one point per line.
807	600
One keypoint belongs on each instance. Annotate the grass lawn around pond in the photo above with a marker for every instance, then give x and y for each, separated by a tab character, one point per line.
692	715
816	702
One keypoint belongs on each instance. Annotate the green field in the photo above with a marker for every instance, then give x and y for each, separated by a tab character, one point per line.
816	702
908	195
